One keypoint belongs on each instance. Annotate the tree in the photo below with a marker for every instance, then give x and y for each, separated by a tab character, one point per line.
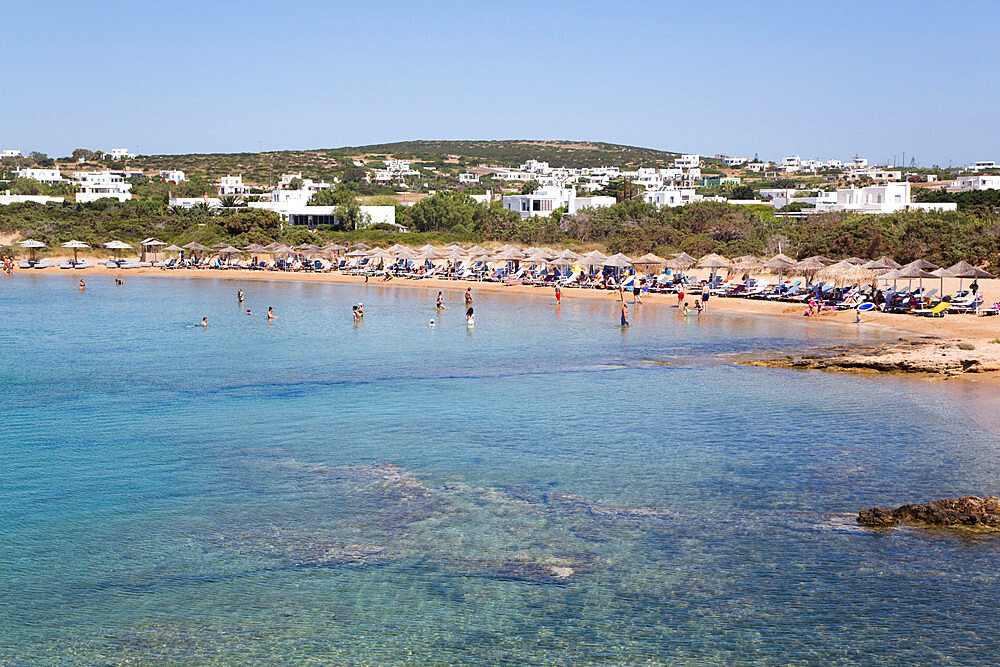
295	184
231	201
530	187
742	192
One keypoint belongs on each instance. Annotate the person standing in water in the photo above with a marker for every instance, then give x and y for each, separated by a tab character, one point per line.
624	313
468	296
704	297
440	301
239	295
270	313
558	295
470	317
82	285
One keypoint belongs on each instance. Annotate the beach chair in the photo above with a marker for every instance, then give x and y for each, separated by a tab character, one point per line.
65	264
937	311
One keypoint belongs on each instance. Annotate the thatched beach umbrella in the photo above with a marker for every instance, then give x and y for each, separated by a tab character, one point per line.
684	257
194	245
333	247
118	247
856	260
509	254
566	254
890	262
714	262
648	260
618	261
173	248
255	248
76	246
845	273
962	270
748	263
922	264
913	270
809	265
780	263
360	246
826	261
358	253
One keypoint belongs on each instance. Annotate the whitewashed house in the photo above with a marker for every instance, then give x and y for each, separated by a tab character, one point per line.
120	153
9	153
94	185
687	161
232	185
6	198
191	202
734	161
468	177
544	201
670	196
40	175
984	164
978	182
536	167
172	175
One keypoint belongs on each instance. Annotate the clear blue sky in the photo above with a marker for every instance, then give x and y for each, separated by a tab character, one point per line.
817	79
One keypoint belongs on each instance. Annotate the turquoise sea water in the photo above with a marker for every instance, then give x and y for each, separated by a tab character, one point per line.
535	490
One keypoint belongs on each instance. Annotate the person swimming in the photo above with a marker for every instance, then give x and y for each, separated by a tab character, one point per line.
119	281
248	311
204	321
432	323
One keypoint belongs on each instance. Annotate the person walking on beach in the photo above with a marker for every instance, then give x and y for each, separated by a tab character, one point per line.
440	301
680	294
468	296
636	291
558	295
270	313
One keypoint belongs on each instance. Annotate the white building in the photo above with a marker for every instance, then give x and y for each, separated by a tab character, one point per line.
191	202
536	167
757	166
984	164
544	201
976	183
232	185
468	177
7	198
96	185
881	199
9	153
790	164
119	153
40	175
734	161
687	161
286	179
670	196
174	176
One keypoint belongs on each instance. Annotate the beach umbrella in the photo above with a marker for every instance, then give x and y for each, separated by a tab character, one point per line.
922	264
117	246
255	248
809	265
510	254
454	246
152	242
219	245
433	253
31	245
194	245
890	262
360	246
714	262
333	247
845	273
427	247
877	265
561	261
227	250
76	246
618	261
648	260
684	257
820	258
173	248
357	253
943	273
912	270
477	250
780	263
747	263
856	260
566	254
962	270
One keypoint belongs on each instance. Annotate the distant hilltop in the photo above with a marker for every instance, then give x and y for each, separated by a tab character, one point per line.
325	162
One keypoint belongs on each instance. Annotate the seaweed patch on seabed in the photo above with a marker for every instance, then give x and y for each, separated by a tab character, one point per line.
387	514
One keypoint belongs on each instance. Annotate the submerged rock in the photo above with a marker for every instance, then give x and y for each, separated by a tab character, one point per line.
967	511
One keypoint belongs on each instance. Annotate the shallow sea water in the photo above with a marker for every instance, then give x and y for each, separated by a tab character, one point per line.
536	490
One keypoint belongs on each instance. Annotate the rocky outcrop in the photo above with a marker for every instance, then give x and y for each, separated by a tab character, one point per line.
925	355
967	512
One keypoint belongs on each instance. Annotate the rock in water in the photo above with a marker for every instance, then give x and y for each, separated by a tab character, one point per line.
967	511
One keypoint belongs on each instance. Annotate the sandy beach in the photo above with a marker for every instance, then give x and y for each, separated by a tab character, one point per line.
947	332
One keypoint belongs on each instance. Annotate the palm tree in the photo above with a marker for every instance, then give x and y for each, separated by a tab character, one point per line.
231	201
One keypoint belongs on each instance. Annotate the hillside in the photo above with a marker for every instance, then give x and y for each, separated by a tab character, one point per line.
323	163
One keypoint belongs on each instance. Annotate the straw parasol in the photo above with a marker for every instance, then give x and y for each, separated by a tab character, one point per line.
194	245
684	257
647	260
357	253
845	273
890	262
308	247
922	264
360	246
747	263
333	247
173	248
618	261
255	248
713	261
962	270
76	246
913	270
509	254
227	250
820	258
856	260
566	254
152	242
809	265
478	250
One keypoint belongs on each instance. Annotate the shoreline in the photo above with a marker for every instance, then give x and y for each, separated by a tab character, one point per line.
947	331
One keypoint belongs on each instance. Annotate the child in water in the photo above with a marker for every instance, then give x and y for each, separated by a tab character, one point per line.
686	311
470	318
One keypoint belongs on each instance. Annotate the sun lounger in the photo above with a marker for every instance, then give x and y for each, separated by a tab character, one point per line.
937	311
